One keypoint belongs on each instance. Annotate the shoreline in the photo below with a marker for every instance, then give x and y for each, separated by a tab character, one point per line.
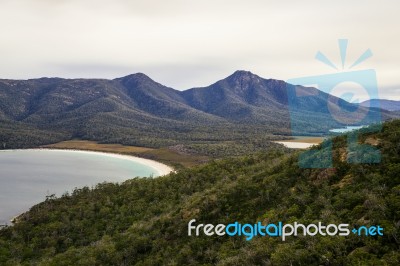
296	145
160	168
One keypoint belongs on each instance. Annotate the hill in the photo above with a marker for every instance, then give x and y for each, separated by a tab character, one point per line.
135	110
247	98
389	105
144	221
114	110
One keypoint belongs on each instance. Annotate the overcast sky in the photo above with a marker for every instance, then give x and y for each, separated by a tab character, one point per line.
184	43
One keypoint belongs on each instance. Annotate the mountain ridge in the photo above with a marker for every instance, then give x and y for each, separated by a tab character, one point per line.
390	105
134	108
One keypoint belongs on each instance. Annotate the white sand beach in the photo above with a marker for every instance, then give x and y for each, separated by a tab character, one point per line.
160	168
28	175
296	145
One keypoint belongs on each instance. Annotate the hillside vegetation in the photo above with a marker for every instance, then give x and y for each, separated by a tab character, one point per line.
144	221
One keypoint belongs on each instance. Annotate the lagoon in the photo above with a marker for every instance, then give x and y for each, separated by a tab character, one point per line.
345	129
28	176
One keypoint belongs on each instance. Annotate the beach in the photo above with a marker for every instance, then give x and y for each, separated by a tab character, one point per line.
161	168
296	145
29	175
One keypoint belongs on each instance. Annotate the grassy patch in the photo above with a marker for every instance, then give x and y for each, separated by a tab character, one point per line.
314	140
164	155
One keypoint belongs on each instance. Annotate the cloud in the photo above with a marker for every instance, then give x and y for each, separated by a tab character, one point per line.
185	43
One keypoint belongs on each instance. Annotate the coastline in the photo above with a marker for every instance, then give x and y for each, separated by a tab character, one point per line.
296	145
160	168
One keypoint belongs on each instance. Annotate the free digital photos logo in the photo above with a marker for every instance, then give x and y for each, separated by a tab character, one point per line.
280	230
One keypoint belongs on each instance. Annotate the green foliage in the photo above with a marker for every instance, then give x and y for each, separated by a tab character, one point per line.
144	221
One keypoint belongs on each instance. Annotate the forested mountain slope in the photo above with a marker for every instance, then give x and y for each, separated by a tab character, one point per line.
136	110
144	221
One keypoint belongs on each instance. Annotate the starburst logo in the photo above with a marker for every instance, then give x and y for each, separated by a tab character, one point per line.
338	97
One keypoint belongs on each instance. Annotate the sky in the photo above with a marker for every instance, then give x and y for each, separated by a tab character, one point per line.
184	43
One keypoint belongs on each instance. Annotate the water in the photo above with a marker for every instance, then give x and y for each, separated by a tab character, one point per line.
346	129
28	176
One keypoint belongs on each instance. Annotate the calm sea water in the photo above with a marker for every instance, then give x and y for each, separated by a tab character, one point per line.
346	129
28	176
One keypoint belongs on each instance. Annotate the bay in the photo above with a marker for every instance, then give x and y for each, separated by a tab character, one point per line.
28	176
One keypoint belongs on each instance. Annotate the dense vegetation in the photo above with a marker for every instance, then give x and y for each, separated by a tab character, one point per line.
144	221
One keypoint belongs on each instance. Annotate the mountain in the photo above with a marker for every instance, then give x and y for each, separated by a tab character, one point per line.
389	105
144	221
36	101
158	100
242	96
117	110
247	98
136	110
